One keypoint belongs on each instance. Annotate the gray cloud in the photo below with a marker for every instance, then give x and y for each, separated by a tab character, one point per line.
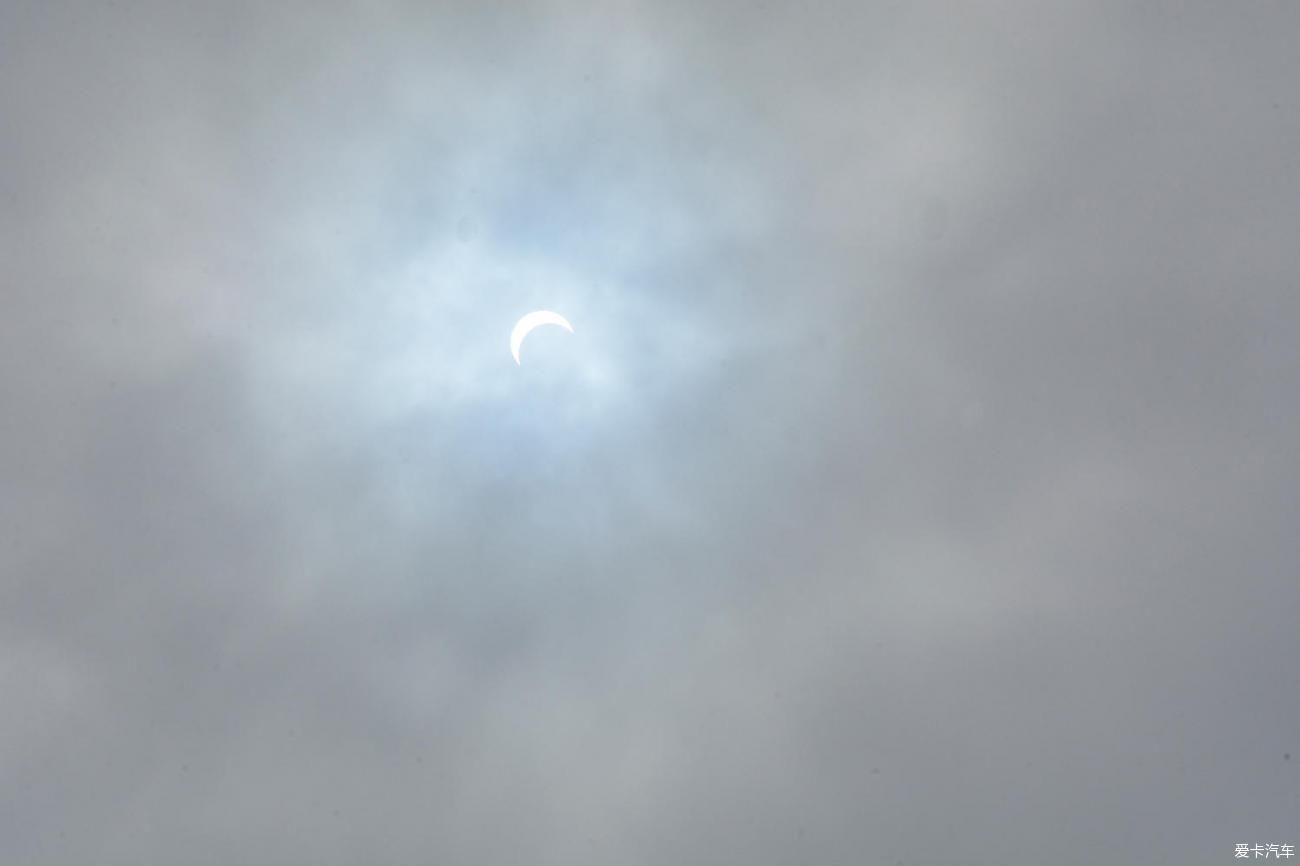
919	485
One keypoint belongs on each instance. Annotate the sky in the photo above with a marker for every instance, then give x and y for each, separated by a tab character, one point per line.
919	484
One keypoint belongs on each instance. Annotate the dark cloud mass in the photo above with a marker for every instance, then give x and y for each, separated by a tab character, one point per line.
919	487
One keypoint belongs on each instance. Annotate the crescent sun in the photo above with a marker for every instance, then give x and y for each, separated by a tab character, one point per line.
534	320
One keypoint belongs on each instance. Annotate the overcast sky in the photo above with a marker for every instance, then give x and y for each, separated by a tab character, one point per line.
920	484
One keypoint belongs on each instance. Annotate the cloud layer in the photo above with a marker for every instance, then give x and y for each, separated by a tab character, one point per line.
919	485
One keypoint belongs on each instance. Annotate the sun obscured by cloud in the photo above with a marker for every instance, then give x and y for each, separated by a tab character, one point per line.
921	464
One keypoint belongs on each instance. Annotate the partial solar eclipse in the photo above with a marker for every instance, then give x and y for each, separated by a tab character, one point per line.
534	320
